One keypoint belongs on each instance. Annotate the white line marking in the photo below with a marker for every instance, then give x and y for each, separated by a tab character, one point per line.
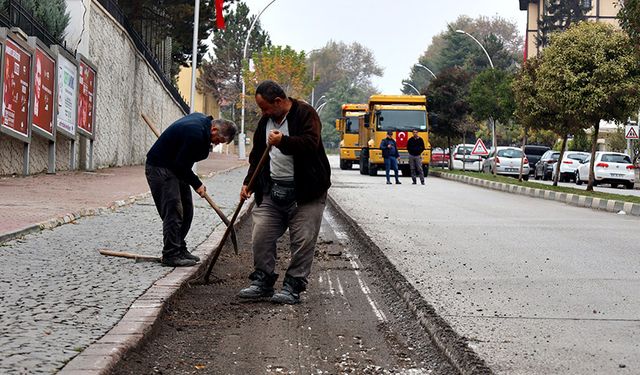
331	290
340	286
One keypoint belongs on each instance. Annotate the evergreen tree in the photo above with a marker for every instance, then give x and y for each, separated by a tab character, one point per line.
51	14
559	15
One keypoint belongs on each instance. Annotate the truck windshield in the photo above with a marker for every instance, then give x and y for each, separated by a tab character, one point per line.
401	120
351	126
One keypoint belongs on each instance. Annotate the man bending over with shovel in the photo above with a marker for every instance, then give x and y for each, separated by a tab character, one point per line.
169	174
290	192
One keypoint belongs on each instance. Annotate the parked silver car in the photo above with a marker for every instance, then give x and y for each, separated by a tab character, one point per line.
506	161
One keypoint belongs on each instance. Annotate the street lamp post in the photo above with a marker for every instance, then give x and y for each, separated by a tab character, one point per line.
412	86
493	124
241	136
427	69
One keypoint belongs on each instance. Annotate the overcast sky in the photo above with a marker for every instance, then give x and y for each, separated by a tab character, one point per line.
397	31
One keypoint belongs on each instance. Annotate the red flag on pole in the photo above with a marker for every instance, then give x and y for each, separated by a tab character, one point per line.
219	16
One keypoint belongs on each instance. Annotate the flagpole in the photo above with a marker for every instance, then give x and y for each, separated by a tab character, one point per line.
194	55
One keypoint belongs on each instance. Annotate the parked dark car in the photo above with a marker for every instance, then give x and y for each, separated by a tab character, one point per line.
544	166
533	153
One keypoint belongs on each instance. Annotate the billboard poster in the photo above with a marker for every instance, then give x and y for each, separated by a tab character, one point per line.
86	103
43	82
15	88
67	83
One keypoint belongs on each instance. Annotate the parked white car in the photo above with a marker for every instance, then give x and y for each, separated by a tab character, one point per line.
506	161
609	168
462	155
570	162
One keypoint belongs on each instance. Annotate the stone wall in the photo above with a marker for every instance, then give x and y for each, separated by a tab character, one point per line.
126	87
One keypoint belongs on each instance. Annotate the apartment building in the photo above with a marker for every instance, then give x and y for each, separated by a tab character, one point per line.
601	11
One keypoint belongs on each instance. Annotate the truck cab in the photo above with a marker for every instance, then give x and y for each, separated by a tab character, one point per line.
348	127
400	114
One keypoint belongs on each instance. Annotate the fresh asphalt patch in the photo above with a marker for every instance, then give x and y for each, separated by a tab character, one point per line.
350	320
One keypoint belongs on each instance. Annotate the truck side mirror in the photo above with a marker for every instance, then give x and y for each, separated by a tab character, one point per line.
366	120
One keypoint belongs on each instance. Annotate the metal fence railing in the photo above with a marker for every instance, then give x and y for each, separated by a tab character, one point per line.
156	63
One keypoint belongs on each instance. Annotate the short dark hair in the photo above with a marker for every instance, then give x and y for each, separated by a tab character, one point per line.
270	90
227	128
389	132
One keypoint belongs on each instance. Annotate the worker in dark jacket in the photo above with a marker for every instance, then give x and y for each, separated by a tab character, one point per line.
290	192
415	147
390	155
169	174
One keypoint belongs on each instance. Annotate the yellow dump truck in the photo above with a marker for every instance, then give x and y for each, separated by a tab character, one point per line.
347	125
400	114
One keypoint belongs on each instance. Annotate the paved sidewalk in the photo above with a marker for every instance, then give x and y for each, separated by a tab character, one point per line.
58	293
26	202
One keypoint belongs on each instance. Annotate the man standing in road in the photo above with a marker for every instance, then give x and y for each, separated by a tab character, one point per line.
169	174
290	192
390	155
415	147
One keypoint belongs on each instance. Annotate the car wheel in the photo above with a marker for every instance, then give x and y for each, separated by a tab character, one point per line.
614	186
525	177
629	185
578	180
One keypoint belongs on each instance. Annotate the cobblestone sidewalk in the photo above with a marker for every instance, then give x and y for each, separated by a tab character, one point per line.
59	295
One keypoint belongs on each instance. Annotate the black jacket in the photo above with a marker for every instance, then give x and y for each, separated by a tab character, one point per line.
389	152
311	170
415	146
183	143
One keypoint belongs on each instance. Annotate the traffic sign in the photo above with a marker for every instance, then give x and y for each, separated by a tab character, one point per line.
479	148
631	132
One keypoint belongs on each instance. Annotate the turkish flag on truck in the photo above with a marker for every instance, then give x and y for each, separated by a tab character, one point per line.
401	139
219	16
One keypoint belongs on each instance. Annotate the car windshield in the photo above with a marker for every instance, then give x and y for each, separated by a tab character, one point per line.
402	120
464	150
616	158
578	157
351	125
510	153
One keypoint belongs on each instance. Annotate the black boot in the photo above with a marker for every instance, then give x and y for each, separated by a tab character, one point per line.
291	289
261	286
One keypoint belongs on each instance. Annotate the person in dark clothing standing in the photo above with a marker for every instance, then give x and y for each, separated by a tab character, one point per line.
290	192
415	147
169	173
390	155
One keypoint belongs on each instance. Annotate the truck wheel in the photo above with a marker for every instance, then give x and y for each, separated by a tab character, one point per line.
344	164
373	170
364	166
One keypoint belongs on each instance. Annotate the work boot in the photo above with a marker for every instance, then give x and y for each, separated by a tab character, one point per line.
422	181
261	286
398	182
177	262
185	254
290	293
414	180
388	182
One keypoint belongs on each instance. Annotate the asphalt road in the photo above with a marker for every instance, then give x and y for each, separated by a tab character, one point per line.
536	286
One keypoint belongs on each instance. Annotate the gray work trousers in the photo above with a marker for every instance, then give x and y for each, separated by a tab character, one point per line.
175	206
415	164
271	220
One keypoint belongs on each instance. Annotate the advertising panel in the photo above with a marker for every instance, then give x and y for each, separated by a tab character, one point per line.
67	78
86	98
43	87
16	80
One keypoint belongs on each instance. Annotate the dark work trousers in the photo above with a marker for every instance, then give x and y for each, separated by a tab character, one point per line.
389	164
175	206
271	220
415	163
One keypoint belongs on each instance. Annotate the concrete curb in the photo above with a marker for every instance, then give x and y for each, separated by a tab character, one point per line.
454	347
85	212
139	321
609	205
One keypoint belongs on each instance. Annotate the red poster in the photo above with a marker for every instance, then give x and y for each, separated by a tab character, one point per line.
43	96
15	90
86	97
